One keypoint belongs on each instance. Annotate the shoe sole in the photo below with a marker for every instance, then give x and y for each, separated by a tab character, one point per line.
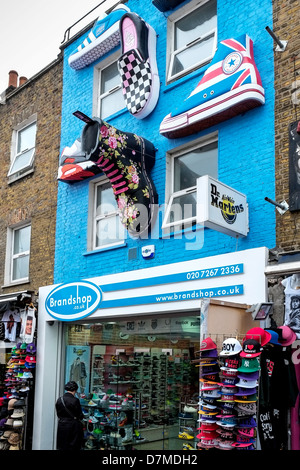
217	110
96	49
77	171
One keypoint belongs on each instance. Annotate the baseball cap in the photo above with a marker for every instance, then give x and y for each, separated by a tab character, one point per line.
207	434
207	344
246	398
31	348
208	427
247	408
245	383
242	441
246	391
251	348
249	376
249	365
30	359
247	423
230	347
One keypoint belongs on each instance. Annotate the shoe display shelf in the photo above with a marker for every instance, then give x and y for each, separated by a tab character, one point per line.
188	423
135	399
109	408
161	380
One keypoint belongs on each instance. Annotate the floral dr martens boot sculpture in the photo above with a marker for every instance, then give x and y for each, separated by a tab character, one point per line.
126	159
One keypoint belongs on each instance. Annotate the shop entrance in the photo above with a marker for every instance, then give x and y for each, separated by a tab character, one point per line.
138	386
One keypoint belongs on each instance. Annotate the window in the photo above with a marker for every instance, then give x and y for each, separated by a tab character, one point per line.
185	167
20	253
191	39
109	95
107	227
23	149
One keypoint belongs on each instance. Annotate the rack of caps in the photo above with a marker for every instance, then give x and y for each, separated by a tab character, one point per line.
18	382
228	393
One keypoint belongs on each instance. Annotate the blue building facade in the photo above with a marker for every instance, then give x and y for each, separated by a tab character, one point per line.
143	303
245	147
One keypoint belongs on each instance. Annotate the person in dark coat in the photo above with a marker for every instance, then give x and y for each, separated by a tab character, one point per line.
69	413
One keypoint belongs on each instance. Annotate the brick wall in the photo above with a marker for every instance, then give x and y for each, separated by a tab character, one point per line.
287	71
32	198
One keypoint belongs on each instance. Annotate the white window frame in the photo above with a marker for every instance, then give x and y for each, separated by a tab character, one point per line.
93	218
98	97
171	53
11	257
170	175
28	168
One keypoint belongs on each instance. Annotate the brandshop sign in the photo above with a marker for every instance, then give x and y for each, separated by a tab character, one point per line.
73	301
221	208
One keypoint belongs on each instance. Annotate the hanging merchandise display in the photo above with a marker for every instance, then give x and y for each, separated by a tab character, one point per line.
278	389
16	402
228	422
247	390
292	303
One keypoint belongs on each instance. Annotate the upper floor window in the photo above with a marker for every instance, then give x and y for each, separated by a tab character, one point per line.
105	227
20	253
17	255
109	96
23	149
192	37
184	167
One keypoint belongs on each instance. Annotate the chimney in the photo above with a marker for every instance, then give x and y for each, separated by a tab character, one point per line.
22	80
12	79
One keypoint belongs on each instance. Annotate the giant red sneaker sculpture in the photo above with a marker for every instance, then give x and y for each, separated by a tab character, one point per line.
230	86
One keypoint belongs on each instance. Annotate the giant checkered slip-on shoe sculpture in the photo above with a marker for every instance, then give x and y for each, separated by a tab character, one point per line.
103	37
137	65
230	86
126	159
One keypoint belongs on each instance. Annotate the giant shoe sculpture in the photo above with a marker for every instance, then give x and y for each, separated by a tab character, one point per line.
231	85
126	159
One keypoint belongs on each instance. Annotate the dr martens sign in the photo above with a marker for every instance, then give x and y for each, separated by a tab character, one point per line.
221	208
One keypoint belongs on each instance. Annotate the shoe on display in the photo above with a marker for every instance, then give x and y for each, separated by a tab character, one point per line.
92	403
126	159
103	37
231	85
138	437
93	419
189	409
185	435
137	65
187	446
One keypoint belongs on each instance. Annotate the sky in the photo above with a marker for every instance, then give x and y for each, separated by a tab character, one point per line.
32	31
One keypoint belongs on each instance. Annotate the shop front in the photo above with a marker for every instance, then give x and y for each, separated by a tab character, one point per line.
131	341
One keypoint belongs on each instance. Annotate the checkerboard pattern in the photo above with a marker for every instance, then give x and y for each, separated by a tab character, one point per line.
136	81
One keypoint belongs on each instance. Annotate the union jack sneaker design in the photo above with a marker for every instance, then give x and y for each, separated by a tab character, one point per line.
126	159
103	37
231	85
137	65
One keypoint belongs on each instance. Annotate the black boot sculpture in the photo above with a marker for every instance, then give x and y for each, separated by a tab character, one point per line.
126	159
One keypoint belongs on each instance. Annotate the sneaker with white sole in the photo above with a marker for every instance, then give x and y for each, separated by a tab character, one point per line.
231	85
137	65
103	37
